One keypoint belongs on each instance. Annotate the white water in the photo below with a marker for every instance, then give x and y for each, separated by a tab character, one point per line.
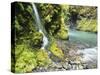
38	21
89	55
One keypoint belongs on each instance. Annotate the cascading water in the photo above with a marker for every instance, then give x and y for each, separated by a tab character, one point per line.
38	22
89	55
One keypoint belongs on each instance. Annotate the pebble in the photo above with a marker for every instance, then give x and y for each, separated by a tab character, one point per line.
65	66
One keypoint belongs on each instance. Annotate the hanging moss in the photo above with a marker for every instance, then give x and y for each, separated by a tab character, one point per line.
42	58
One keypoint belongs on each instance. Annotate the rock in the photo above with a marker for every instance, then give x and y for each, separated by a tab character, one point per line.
63	69
73	67
59	66
77	67
77	62
55	58
69	66
65	66
85	66
72	52
66	60
80	67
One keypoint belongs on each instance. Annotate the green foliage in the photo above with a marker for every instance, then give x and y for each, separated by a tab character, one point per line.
25	59
36	40
28	59
54	21
63	32
26	52
84	11
85	17
87	25
42	58
55	49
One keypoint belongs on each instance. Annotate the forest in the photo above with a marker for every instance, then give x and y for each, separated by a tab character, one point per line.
43	39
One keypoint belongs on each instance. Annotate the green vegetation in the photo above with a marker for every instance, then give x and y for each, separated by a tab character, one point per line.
55	49
42	58
87	25
28	59
54	21
27	40
26	46
25	59
84	17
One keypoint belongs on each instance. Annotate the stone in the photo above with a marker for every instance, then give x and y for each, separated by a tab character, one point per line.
74	67
69	66
65	66
59	66
80	67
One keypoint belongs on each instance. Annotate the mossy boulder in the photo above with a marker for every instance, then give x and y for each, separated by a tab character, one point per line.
55	50
42	58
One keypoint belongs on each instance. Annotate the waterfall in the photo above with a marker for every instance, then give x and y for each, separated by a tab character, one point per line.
40	26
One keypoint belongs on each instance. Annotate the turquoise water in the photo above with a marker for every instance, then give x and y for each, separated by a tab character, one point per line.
84	38
89	55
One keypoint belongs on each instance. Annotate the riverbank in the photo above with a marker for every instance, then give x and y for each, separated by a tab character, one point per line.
79	53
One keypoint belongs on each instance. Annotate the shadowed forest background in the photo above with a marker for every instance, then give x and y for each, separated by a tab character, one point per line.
53	37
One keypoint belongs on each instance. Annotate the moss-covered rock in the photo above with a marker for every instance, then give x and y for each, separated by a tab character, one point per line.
55	50
83	18
42	58
54	21
87	25
25	59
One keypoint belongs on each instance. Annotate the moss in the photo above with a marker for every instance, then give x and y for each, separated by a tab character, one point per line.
28	41
25	63
36	40
54	21
25	59
63	34
87	25
56	50
42	58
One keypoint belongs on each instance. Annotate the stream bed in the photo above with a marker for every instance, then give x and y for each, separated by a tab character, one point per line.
80	52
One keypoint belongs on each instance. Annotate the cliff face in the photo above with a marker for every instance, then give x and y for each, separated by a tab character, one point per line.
84	18
27	41
53	19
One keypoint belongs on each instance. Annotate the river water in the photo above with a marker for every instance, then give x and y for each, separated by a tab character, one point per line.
84	38
89	41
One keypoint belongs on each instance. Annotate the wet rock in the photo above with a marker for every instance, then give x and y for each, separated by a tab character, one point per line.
80	67
74	67
65	66
69	66
55	58
72	52
59	66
